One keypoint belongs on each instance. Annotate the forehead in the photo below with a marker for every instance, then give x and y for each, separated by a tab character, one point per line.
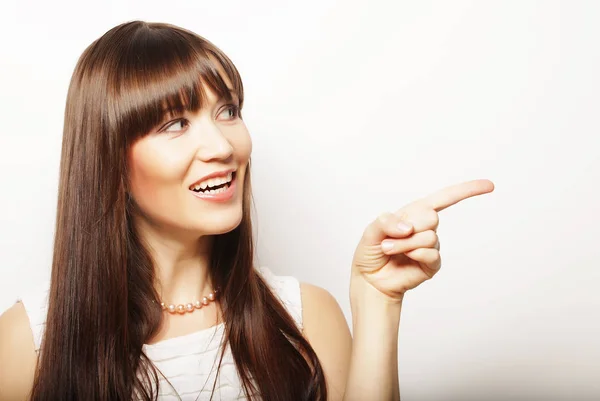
220	70
210	94
211	97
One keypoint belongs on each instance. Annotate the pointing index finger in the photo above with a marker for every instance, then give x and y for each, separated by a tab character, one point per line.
453	194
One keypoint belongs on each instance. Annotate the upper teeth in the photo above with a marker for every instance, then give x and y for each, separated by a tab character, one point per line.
212	182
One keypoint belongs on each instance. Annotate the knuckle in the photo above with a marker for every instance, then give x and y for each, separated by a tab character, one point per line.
417	253
371	229
433	218
401	214
436	219
430	256
437	261
377	225
430	237
385	221
383	218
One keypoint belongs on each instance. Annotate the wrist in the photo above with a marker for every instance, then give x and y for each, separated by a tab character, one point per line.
362	292
370	307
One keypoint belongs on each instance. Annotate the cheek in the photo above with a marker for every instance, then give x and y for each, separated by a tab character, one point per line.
155	178
243	146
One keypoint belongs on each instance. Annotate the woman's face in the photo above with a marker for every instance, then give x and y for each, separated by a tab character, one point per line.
181	151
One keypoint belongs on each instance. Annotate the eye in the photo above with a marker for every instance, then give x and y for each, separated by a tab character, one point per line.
176	123
234	111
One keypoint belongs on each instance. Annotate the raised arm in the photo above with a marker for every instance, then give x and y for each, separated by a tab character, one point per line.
366	367
397	252
371	356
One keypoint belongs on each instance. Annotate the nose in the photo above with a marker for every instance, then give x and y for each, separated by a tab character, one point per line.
212	144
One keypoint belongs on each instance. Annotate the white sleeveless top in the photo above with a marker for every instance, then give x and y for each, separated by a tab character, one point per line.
188	361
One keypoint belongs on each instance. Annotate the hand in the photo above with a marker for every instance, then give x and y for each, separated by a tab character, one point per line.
414	255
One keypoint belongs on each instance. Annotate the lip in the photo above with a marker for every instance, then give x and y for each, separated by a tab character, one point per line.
212	175
220	197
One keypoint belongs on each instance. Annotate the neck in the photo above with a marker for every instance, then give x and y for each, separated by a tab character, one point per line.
181	275
182	265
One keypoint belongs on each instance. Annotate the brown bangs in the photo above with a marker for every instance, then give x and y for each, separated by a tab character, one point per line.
163	72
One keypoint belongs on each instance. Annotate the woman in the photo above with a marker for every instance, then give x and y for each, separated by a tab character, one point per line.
153	290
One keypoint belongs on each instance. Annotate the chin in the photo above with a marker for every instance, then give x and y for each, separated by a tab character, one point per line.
221	224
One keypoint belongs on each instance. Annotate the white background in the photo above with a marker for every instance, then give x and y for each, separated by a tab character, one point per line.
356	108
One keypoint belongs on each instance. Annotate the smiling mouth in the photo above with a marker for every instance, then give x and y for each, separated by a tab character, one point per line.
217	188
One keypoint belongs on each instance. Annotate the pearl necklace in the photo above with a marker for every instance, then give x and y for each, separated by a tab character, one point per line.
190	307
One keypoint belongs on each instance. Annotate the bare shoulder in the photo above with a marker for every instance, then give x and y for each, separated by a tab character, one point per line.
327	331
17	354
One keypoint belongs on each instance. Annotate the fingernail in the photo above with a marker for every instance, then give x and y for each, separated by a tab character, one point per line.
387	246
403	227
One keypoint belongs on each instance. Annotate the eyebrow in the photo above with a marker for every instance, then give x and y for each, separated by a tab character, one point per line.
232	91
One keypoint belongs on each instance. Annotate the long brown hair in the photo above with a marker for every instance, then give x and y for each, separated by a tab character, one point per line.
102	301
